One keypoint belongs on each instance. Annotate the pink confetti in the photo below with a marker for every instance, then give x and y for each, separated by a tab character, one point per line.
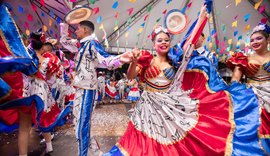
96	10
130	10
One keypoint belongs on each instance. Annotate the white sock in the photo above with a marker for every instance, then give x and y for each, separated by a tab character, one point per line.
49	147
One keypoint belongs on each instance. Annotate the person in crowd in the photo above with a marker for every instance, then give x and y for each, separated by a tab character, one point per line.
101	86
121	84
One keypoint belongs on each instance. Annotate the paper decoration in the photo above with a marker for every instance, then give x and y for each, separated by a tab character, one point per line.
169	1
211	19
51	13
132	1
143	24
92	1
115	5
235	33
225	38
256	6
130	11
246	27
27	32
51	32
42	2
116	15
230	41
149	8
218	13
217	42
140	30
208	38
234	24
126	34
96	10
34	7
44	28
264	20
50	22
240	37
29	17
145	17
227	6
189	5
20	9
158	20
262	8
116	22
210	45
26	25
101	27
237	2
99	19
42	14
164	12
223	27
247	16
129	20
115	28
235	17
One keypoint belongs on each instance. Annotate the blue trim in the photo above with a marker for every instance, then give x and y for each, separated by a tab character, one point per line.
84	123
115	151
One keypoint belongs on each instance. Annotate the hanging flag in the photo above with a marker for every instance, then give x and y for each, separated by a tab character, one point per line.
143	24
101	27
235	33
262	8
51	13
164	12
42	14
235	17
168	1
158	20
145	17
130	11
189	5
44	28
50	22
256	6
34	7
246	27
132	1
42	3
27	32
72	1
237	2
116	15
234	24
26	25
264	20
20	9
116	22
126	34
58	20
30	17
92	1
230	41
96	10
247	16
99	19
115	5
140	30
149	8
240	37
223	27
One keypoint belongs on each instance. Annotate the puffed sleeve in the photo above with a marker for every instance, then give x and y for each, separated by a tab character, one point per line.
53	64
238	59
144	62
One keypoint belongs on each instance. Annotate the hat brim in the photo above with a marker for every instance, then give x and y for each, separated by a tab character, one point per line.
79	14
175	21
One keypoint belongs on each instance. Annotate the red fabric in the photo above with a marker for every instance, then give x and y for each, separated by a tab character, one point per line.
238	59
47	118
144	62
265	126
208	137
134	89
54	63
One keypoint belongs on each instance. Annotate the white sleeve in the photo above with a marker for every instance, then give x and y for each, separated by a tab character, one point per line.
67	42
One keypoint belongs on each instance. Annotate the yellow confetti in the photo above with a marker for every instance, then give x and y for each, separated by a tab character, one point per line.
101	27
247	27
234	24
126	34
256	6
50	22
230	41
44	28
27	32
140	30
237	2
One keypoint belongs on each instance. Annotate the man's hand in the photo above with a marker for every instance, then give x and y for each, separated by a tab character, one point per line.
131	56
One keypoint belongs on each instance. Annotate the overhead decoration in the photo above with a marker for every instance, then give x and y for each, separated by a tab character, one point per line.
26	25
132	1
51	13
42	14
34	7
130	11
234	24
145	17
256	6
29	17
78	14
50	22
246	27
247	16
27	32
175	21
237	2
235	33
92	1
164	12
99	19
96	10
72	1
20	9
264	20
262	8
169	1
44	28
58	20
116	15
115	5
42	3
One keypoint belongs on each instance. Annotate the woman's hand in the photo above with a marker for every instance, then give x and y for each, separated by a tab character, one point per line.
136	55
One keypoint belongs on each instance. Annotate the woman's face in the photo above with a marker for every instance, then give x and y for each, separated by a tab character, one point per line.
258	42
162	43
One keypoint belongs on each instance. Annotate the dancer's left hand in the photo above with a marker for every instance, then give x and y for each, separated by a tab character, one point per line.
266	67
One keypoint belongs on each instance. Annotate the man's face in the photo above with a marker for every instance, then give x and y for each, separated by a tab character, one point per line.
47	48
199	42
81	32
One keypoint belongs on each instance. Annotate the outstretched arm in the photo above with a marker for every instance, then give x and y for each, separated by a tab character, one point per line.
237	74
134	69
67	42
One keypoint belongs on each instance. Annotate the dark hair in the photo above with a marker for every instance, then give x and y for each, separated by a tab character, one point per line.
203	35
264	33
35	40
88	24
48	44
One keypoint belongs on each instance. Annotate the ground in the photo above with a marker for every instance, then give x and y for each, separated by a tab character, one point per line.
109	122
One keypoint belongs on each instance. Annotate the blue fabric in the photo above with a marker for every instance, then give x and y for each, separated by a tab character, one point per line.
115	151
84	123
266	67
99	48
12	37
4	88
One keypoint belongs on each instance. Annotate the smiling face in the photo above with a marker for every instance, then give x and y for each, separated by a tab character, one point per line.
162	43
258	42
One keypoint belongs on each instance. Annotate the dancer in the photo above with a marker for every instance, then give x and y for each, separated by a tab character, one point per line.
121	84
193	112
101	86
111	91
91	55
256	67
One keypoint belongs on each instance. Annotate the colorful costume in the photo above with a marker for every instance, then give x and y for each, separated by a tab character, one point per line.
258	80
101	87
121	84
110	90
134	93
23	85
90	56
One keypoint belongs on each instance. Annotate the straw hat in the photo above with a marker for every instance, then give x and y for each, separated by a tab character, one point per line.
175	21
78	14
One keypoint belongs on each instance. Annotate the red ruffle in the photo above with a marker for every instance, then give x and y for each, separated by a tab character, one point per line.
144	62
238	59
54	63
